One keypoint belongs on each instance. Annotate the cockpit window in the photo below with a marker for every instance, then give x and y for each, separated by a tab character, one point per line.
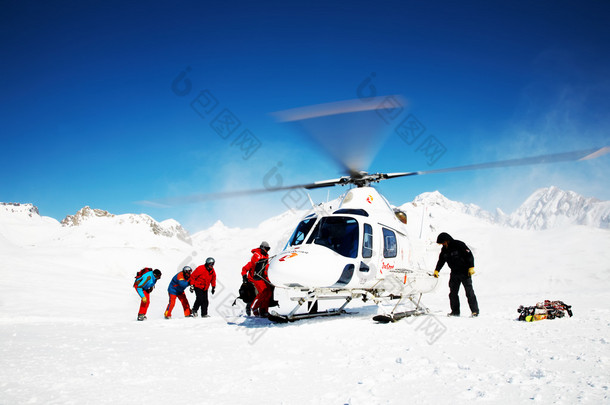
337	233
302	230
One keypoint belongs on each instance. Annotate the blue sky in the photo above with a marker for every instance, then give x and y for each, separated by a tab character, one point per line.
94	110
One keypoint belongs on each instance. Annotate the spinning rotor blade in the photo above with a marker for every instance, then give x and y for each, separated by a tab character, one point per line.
351	132
168	202
552	158
360	178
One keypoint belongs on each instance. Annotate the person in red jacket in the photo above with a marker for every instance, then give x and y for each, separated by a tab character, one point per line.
255	271
202	278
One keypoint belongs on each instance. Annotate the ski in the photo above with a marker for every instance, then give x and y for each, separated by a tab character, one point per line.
278	318
397	316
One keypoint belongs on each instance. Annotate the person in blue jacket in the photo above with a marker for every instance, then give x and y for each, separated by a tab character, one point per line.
176	290
144	286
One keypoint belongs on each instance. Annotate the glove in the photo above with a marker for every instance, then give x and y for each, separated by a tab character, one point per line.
144	300
244	278
213	290
471	271
192	288
436	274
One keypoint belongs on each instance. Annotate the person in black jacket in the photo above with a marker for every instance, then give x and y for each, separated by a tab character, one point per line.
461	262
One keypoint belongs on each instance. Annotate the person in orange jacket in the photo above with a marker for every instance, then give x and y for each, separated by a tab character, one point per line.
202	278
176	290
255	272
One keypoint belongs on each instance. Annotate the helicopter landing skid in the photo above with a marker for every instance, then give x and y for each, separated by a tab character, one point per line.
312	299
397	316
420	309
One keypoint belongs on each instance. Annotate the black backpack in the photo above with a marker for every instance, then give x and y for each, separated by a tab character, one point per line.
259	269
247	293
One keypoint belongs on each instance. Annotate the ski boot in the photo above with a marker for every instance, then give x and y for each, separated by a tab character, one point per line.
141	317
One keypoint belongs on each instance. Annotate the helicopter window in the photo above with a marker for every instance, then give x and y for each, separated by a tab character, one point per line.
389	243
337	233
353	211
302	230
367	241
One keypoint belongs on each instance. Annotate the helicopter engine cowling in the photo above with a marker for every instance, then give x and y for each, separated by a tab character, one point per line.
311	266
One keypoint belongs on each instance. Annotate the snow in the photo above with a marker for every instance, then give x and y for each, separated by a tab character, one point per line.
68	333
553	207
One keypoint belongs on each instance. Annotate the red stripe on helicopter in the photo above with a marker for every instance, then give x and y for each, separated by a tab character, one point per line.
288	256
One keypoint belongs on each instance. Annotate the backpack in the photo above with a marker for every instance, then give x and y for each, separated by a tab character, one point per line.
247	293
259	269
140	274
143	271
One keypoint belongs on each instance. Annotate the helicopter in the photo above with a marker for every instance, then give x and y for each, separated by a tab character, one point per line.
361	249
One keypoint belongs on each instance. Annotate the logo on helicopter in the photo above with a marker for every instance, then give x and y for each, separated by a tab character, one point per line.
288	256
369	199
386	266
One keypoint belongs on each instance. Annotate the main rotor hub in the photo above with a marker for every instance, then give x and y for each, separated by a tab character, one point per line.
363	179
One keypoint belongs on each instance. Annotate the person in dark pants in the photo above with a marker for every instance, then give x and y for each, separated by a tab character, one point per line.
461	262
202	278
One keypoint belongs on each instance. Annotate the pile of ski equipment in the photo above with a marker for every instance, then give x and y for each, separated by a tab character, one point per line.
544	310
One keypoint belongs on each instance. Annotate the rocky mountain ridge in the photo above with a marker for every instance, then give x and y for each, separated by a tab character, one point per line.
546	208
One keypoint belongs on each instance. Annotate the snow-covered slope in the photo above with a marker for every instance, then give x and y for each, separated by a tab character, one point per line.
22	224
68	332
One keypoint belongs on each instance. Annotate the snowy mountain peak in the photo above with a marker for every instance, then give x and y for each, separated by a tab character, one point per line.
432	198
83	214
435	198
546	208
27	209
552	207
93	217
218	227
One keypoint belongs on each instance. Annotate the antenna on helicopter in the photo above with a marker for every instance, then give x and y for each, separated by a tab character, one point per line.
313	205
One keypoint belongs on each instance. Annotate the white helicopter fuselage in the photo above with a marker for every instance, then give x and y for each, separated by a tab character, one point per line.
361	246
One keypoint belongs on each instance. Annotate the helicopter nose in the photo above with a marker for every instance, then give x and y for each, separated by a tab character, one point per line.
310	266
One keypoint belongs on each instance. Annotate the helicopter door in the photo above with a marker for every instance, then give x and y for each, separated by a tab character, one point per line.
390	247
367	247
367	242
